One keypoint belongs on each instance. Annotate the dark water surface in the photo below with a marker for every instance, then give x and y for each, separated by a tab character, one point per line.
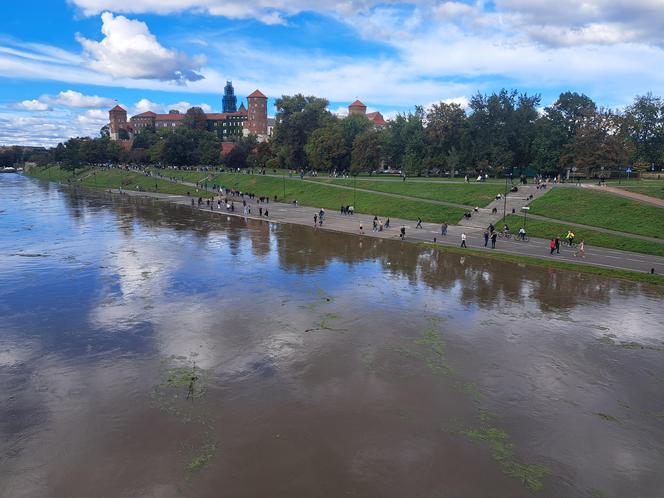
150	351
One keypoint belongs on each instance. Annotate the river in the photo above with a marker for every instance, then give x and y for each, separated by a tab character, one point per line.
150	350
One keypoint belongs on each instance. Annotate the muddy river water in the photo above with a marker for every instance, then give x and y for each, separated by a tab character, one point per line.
150	351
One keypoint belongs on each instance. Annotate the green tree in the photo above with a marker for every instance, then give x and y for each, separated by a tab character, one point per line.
297	118
179	149
598	143
241	155
501	130
326	148
366	152
643	122
446	125
195	119
145	139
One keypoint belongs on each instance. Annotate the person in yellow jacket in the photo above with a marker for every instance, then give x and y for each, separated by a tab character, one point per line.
570	237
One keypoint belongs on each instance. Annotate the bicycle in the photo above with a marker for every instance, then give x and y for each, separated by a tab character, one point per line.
504	235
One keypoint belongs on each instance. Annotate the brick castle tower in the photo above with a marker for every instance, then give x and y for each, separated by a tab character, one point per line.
118	121
256	113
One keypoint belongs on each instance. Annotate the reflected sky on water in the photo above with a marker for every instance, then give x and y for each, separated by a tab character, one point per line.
332	365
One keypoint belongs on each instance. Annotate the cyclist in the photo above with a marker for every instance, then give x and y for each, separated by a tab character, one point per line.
506	231
570	238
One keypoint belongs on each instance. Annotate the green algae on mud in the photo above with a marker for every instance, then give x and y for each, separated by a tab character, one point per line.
201	458
502	450
176	394
611	340
608	418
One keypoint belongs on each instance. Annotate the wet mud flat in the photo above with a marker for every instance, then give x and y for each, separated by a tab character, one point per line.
154	351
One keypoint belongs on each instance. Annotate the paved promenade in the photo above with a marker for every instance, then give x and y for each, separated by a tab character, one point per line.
334	221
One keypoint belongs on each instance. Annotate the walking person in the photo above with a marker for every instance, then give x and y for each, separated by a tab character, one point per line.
552	245
361	229
443	229
486	238
463	240
419	223
315	221
402	232
494	236
260	211
387	224
581	249
557	245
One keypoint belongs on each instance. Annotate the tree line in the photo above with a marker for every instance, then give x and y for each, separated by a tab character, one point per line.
496	133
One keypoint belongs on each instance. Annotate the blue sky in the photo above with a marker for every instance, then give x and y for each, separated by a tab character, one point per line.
63	63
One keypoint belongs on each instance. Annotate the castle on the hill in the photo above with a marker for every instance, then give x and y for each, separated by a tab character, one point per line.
233	122
229	124
376	118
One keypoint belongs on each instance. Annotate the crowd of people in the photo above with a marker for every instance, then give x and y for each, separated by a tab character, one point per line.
490	234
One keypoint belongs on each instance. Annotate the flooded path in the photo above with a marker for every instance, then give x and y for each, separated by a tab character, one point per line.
148	350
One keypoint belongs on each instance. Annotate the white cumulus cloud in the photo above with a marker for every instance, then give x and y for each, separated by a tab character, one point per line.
129	49
72	98
145	105
95	117
32	105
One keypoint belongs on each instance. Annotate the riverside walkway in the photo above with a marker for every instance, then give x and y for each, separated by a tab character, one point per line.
334	221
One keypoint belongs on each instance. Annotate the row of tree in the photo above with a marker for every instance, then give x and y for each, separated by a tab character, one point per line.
496	133
500	132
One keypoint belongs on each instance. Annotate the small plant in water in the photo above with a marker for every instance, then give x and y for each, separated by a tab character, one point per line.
502	450
202	458
607	417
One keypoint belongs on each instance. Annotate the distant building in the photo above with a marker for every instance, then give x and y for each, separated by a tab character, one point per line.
357	107
229	102
117	121
376	118
257	114
227	125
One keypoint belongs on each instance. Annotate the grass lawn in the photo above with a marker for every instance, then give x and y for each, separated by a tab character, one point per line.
600	209
54	173
114	178
321	195
188	176
547	230
473	194
652	191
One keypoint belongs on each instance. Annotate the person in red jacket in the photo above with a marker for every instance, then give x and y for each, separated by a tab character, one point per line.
552	245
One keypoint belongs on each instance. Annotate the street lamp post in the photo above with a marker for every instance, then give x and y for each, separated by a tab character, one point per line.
283	175
525	210
505	198
354	191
